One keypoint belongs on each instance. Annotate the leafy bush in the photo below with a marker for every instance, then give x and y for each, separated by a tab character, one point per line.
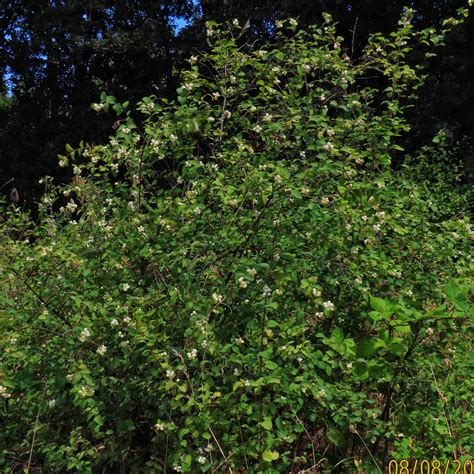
243	282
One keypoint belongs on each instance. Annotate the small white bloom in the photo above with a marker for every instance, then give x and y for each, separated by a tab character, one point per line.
242	282
52	402
192	354
85	391
328	147
293	22
266	291
102	349
4	392
328	305
170	373
325	201
237	372
279	24
217	297
159	426
316	292
201	460
247	383
226	114
257	129
85	334
430	331
125	287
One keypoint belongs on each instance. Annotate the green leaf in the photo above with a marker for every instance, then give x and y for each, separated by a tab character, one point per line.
267	423
270	456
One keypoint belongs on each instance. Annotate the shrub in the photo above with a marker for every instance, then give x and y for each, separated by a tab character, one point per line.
242	282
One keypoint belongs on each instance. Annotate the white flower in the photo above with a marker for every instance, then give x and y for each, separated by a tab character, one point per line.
52	402
328	305
101	350
159	426
114	322
376	227
293	22
4	392
170	373
247	383
239	340
69	377
13	340
267	118
236	372
188	86
266	291
316	292
192	354
328	147
430	331
127	319
349	365
63	162
197	211
380	215
278	292
253	109
257	129
325	201
330	132
173	137
211	119
358	281
409	293
201	460
279	24
125	287
217	297
306	67
242	282
215	95
85	391
193	59
226	114
85	334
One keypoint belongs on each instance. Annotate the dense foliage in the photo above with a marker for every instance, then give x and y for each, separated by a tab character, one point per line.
56	57
281	300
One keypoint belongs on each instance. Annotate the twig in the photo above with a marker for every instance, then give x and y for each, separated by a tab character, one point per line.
220	449
35	428
353	35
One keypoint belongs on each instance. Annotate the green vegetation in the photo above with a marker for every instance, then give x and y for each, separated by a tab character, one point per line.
243	282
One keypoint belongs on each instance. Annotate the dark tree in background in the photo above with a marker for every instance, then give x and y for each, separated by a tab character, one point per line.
57	56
